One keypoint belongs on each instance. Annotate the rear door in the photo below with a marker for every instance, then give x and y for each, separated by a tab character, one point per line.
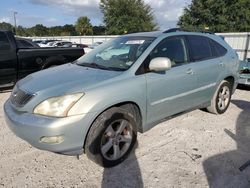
8	61
206	64
171	91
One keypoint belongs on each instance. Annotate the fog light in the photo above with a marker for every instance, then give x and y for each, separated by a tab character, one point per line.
52	139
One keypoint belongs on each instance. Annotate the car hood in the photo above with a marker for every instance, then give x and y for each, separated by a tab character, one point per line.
66	78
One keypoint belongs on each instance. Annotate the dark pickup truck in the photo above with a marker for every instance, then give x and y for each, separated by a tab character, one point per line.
16	63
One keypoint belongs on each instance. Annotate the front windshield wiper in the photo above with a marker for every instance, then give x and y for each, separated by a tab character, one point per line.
98	66
94	65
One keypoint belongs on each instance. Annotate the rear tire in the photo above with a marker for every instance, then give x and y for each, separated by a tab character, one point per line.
111	137
221	99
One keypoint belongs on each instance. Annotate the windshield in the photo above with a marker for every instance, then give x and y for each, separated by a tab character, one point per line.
118	54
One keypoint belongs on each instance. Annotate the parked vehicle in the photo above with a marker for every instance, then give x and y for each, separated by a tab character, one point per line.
60	43
43	43
75	45
245	72
17	61
50	44
97	104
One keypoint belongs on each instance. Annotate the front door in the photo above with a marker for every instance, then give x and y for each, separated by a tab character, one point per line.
171	91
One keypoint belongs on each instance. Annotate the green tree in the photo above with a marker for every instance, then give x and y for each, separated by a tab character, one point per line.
6	26
99	30
69	30
39	30
55	31
83	26
21	31
127	16
217	16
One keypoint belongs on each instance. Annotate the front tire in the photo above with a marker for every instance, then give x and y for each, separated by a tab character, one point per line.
111	137
221	99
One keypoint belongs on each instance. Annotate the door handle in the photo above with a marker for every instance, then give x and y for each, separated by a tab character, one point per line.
190	71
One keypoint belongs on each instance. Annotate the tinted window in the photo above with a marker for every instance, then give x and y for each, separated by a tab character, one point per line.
4	42
199	48
23	44
172	48
217	49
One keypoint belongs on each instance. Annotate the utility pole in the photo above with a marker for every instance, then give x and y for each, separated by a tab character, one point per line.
15	13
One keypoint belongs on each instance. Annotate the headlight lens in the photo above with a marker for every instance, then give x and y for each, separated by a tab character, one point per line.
57	106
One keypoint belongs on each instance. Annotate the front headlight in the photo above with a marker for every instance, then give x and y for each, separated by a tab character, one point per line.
57	106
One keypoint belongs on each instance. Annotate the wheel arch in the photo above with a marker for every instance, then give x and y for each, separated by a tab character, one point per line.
126	105
231	80
54	60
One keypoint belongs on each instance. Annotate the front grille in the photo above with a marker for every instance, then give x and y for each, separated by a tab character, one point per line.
19	97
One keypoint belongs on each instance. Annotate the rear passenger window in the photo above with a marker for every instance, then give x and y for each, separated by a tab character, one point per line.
217	49
199	48
4	42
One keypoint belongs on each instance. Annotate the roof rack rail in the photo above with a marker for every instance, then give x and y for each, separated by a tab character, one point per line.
173	30
184	30
208	32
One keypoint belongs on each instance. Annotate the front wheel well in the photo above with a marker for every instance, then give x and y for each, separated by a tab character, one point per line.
230	79
133	108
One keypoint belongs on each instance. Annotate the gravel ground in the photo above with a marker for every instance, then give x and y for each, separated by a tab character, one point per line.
196	149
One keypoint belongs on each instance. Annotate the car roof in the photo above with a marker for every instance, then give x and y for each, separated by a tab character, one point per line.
170	32
146	34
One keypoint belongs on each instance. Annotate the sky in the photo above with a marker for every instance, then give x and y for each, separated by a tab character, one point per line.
61	12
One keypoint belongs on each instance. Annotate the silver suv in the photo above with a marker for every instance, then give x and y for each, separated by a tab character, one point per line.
98	103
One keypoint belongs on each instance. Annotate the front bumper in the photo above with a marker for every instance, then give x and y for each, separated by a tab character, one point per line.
31	127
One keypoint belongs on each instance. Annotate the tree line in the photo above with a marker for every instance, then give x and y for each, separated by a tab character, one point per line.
217	16
128	16
66	30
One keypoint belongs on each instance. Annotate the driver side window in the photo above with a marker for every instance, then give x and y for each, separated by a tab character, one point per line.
172	48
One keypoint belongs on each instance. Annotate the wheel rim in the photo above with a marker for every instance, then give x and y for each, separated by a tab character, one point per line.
116	139
223	98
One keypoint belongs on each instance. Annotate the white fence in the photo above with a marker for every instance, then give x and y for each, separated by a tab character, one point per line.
238	41
79	39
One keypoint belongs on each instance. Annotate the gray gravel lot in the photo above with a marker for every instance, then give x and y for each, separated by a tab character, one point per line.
196	149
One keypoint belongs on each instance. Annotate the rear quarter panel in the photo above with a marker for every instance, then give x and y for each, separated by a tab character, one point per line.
231	63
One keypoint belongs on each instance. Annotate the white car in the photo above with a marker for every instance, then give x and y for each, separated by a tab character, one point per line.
60	43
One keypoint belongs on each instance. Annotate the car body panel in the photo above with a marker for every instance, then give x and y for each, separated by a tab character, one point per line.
31	128
157	94
168	92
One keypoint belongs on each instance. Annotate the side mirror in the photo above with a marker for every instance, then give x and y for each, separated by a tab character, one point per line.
160	64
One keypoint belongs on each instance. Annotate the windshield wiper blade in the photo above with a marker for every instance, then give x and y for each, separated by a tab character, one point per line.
98	66
92	65
95	65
